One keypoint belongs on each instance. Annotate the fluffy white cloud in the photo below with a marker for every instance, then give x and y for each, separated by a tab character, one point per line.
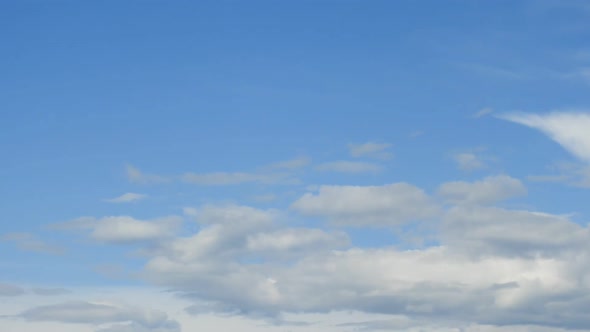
569	129
370	149
296	239
345	166
495	231
486	191
387	205
126	198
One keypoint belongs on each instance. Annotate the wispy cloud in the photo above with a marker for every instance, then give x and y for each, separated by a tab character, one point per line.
482	112
291	164
50	291
10	290
494	71
229	178
136	176
569	129
126	198
31	242
130	318
468	161
123	229
370	150
571	174
345	166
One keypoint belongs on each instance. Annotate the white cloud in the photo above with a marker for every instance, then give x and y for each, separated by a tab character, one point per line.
126	198
136	176
569	129
489	190
296	239
500	232
31	242
344	166
483	112
468	161
386	205
370	149
227	178
124	229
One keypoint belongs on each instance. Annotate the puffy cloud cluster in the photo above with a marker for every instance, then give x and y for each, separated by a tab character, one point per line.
493	266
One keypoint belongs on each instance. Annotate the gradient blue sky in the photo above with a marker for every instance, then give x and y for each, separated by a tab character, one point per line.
138	110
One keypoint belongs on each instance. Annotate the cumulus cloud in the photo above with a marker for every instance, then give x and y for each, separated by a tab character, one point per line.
489	267
489	190
370	149
345	166
126	198
568	129
501	232
386	205
10	290
31	242
103	313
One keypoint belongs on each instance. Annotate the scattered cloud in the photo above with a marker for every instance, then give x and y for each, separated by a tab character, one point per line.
386	205
483	112
344	166
10	290
291	164
416	134
31	242
265	198
468	161
371	150
489	190
571	174
568	129
126	198
494	71
50	291
125	318
124	229
227	178
134	175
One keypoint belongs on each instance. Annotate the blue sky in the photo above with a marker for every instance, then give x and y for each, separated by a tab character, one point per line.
147	145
